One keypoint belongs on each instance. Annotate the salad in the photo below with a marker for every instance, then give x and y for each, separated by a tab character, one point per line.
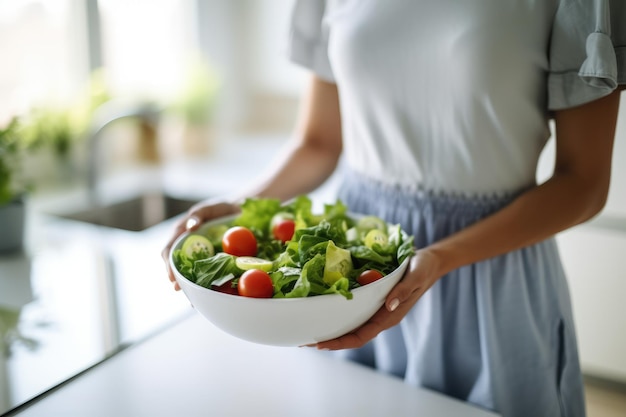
285	250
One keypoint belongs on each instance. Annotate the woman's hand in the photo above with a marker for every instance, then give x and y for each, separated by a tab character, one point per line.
423	271
198	214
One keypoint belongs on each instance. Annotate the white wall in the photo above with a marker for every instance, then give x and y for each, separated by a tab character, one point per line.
616	205
273	72
247	40
596	267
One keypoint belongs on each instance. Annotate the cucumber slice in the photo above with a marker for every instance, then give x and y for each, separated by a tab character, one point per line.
252	262
375	236
196	246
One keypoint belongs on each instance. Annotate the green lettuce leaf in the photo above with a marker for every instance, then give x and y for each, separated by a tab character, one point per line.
218	266
256	215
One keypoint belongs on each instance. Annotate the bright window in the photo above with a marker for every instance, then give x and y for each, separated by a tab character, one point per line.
147	45
42	55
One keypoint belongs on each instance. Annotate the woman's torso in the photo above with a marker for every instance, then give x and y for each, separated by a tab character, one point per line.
444	95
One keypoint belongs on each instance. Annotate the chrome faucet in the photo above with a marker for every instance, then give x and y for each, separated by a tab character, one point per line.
105	115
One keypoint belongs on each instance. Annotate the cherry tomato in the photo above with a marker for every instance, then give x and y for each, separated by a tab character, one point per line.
284	229
368	276
226	288
239	241
255	283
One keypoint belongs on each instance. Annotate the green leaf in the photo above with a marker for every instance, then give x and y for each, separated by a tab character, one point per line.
312	272
208	270
256	215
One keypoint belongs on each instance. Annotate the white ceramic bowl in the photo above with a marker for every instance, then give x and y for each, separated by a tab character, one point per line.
287	321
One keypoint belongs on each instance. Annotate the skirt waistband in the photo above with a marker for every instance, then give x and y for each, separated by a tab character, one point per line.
363	193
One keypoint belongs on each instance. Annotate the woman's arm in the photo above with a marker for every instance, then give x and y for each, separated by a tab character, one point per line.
576	192
313	153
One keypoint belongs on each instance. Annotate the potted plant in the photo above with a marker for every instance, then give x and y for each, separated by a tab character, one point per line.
50	135
37	147
12	188
54	132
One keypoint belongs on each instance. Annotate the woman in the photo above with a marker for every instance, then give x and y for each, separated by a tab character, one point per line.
441	109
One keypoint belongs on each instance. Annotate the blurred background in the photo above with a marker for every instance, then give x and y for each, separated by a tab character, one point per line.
213	69
122	106
116	115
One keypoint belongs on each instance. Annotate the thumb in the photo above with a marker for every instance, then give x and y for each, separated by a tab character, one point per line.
398	294
409	285
423	271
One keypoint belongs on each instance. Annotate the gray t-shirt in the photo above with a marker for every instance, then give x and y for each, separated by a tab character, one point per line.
455	96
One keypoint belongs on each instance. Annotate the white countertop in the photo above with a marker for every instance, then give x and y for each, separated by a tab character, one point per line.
194	369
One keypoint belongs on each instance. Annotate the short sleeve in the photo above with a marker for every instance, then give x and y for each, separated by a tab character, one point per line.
308	37
587	51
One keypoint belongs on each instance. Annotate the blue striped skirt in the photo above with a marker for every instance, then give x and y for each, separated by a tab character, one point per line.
498	333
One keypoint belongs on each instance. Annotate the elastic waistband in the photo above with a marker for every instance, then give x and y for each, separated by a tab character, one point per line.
366	193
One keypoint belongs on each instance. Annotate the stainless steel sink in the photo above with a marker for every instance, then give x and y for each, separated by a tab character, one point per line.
135	214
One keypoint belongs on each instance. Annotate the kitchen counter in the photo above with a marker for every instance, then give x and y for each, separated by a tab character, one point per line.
82	294
194	369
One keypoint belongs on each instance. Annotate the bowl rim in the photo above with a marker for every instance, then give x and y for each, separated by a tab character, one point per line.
403	266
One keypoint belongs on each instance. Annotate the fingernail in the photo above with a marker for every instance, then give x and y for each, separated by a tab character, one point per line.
393	304
192	222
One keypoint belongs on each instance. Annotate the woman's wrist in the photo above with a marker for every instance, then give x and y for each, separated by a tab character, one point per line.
440	258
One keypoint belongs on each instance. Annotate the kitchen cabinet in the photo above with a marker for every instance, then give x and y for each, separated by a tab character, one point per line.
594	258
